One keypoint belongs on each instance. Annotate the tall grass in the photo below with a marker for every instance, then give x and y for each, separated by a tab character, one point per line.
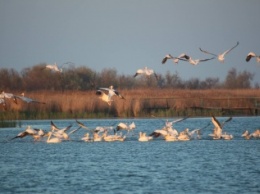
137	103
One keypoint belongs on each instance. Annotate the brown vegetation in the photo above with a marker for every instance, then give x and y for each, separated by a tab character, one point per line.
138	103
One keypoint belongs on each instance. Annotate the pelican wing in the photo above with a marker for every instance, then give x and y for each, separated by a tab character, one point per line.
227	51
223	123
179	120
202	60
82	125
208	52
118	94
54	126
215	122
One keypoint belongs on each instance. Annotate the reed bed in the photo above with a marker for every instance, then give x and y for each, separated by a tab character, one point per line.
137	103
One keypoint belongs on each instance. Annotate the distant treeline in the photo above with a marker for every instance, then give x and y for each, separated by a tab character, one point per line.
83	78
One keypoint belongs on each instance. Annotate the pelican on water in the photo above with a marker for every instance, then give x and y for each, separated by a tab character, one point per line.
217	132
143	137
146	72
37	134
221	57
250	55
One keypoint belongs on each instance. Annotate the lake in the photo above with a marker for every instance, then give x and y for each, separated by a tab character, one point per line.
157	166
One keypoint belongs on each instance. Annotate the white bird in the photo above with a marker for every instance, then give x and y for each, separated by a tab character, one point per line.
107	97
60	133
112	92
4	95
124	126
37	134
54	68
192	61
143	137
217	132
146	72
2	101
29	100
54	139
250	55
104	97
221	57
175	59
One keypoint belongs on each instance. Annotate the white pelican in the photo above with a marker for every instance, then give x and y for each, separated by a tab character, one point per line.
54	139
221	57
54	68
175	59
60	133
124	126
4	95
37	134
226	136
217	132
250	55
104	97
146	71
143	137
115	137
29	100
246	135
112	92
192	61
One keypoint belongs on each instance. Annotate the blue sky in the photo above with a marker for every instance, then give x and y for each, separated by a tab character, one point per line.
130	34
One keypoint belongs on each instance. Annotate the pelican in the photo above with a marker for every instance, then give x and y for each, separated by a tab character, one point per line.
250	55
124	126
221	57
37	134
54	68
226	136
184	135
54	139
246	135
112	92
146	71
175	59
4	95
217	132
29	100
255	134
115	137
192	61
60	133
104	97
143	137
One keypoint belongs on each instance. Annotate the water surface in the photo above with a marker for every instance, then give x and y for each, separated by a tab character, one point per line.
196	166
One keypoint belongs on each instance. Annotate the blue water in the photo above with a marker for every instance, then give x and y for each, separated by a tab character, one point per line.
196	166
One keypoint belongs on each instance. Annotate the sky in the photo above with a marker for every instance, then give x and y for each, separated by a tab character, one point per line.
127	35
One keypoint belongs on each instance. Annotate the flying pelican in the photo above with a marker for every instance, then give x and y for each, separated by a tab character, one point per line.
29	100
221	57
104	97
37	134
112	92
54	68
146	71
192	61
175	59
250	55
143	137
4	95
